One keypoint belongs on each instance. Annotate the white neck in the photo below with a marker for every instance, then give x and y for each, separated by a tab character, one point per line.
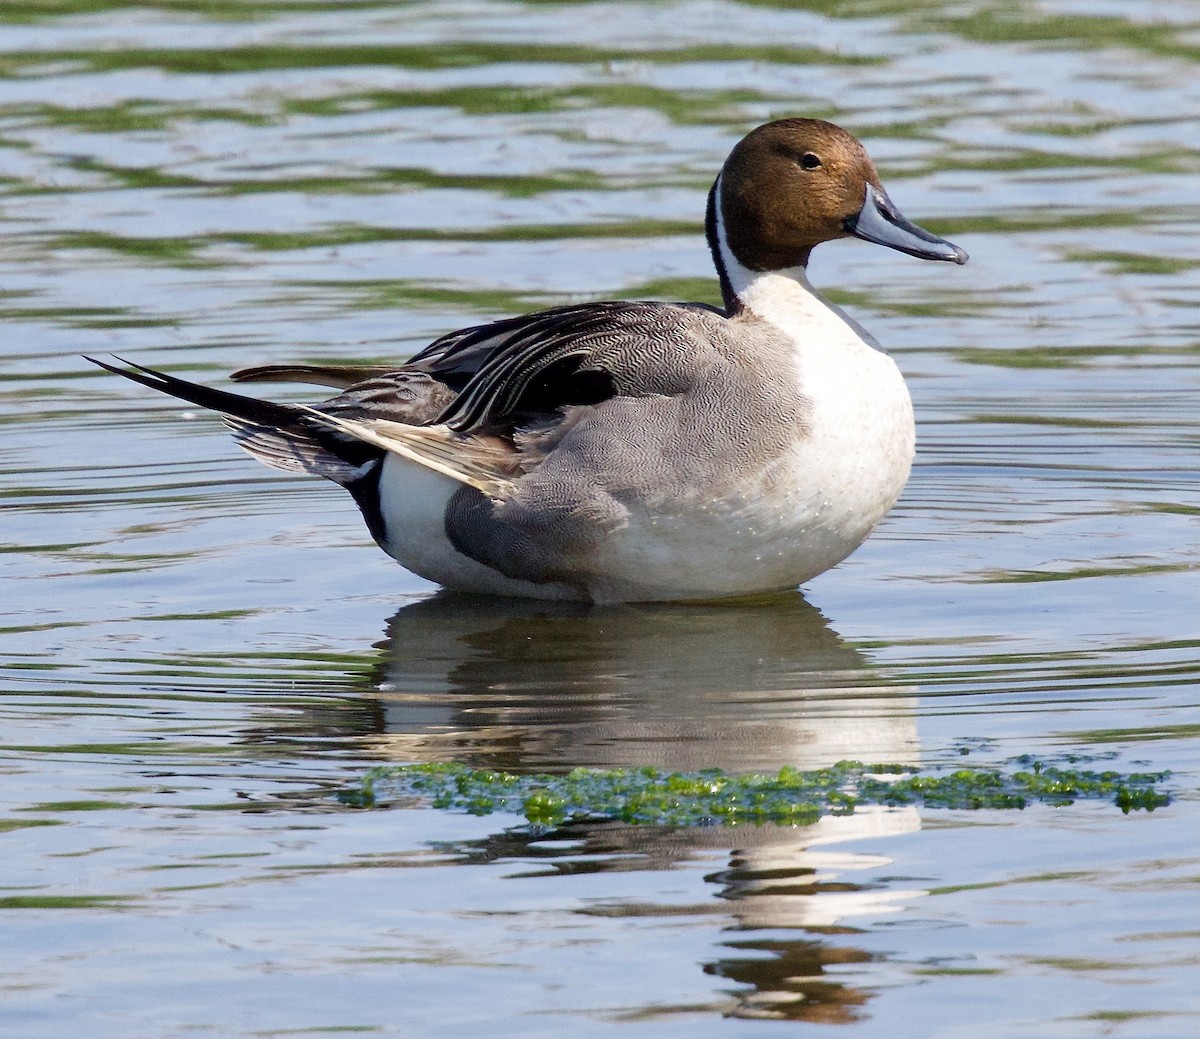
785	298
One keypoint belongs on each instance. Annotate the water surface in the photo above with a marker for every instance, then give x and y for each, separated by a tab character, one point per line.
200	653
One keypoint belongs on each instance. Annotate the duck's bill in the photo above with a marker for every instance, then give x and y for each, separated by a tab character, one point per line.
879	221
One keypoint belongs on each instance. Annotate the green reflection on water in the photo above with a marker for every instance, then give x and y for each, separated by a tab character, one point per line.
1049	357
188	251
133	117
18	11
1122	1016
1054	218
77	806
1079	963
174	252
1134	263
1018	21
696	290
931	304
426	55
1035	878
1012	21
24	824
1125	568
1169	160
139	748
66	901
683	107
405	294
1147	734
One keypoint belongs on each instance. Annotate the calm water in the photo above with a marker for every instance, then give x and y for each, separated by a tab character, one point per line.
199	653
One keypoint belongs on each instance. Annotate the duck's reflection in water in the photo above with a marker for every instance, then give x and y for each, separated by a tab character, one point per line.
522	685
749	687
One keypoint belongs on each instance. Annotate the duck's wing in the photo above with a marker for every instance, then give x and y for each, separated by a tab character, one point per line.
579	353
518	374
520	370
456	406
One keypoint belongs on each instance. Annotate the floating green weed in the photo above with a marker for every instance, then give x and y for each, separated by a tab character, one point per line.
790	797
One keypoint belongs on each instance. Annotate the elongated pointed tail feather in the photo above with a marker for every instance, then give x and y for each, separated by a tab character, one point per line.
300	438
281	436
340	377
248	408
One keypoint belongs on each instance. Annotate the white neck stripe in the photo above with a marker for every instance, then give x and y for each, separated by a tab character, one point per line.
747	284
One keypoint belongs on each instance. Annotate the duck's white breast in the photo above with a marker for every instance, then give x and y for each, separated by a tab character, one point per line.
807	510
855	459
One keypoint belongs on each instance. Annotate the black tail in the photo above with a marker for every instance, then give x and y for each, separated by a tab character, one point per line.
279	435
261	412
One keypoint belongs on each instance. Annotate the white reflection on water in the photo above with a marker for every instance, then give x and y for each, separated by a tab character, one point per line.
745	688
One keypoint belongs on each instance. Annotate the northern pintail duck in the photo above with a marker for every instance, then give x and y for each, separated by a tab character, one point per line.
626	451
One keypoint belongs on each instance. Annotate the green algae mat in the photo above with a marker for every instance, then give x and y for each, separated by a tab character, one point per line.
712	797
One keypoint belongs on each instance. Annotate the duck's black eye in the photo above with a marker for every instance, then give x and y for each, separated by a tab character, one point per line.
809	161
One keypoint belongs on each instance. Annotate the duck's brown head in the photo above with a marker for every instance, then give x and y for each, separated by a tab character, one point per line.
794	183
